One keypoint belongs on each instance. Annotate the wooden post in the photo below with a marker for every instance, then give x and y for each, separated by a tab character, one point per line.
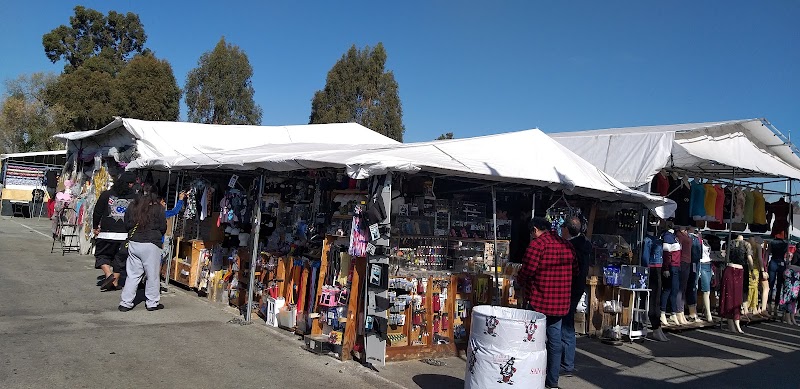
353	308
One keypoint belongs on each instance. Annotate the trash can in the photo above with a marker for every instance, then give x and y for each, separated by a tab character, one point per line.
506	347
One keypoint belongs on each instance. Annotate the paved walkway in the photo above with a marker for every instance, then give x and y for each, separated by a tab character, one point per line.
57	330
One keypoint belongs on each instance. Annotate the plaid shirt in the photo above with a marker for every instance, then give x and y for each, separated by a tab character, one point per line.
546	274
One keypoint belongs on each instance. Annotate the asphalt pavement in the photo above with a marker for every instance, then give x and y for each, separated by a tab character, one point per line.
57	330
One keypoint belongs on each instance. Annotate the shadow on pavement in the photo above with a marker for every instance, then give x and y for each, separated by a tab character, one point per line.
438	381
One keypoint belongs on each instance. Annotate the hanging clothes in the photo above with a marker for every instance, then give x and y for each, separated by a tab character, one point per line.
738	205
719	209
759	208
680	194
697	201
748	206
660	184
781	210
710	202
727	205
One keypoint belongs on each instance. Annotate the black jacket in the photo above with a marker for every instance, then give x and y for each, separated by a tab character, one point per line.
583	250
153	232
109	214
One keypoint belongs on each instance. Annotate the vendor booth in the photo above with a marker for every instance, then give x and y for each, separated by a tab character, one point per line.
731	180
94	157
384	249
29	181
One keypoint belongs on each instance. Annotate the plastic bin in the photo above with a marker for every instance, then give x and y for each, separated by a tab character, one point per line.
506	347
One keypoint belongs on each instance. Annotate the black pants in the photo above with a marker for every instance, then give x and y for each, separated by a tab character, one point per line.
654	309
105	251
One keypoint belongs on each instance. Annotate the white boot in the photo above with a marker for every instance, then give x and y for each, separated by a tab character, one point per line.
663	319
707	305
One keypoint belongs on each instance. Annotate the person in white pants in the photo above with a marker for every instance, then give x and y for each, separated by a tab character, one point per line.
146	222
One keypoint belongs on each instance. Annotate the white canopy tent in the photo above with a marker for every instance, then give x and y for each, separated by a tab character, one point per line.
740	148
526	157
158	139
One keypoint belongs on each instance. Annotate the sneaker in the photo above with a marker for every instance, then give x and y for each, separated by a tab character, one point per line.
123	309
157	307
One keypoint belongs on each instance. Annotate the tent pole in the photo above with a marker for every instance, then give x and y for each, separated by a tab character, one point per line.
733	207
494	250
533	205
255	238
171	231
791	213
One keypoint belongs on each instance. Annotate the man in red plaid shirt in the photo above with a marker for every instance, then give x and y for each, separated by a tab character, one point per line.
546	277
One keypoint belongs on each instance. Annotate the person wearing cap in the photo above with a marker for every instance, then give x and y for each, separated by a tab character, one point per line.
546	277
108	222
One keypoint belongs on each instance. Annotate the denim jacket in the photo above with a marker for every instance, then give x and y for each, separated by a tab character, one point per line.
652	251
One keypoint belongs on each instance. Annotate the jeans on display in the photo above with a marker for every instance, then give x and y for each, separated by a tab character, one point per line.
775	271
655	297
691	286
554	349
686	268
672	285
705	277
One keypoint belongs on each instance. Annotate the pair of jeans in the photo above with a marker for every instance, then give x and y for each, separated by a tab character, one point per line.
555	348
776	269
705	277
672	286
691	286
655	283
683	282
568	339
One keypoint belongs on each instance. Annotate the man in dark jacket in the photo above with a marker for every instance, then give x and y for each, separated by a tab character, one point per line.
571	230
110	233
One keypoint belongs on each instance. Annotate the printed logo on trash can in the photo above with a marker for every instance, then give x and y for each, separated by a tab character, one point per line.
472	358
491	325
530	331
507	372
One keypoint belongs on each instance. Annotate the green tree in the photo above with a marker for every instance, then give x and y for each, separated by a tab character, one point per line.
220	90
359	89
26	122
146	89
87	95
447	135
114	37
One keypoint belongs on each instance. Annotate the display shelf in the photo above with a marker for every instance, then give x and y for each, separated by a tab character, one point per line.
349	191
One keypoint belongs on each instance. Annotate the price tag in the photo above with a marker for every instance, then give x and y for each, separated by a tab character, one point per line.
233	180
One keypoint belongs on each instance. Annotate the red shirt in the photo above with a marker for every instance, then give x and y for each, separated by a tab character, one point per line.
686	247
547	272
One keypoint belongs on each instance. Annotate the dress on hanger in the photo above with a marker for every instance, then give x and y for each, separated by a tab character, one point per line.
681	195
727	205
660	184
719	209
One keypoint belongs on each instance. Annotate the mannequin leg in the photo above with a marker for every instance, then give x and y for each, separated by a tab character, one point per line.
681	297
707	305
764	297
738	327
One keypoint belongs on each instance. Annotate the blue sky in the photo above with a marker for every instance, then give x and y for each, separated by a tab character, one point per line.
480	67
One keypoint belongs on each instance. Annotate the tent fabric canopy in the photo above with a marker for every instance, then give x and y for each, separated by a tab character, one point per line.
156	139
633	155
526	157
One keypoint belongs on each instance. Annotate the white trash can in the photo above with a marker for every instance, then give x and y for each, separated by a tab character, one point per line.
506	348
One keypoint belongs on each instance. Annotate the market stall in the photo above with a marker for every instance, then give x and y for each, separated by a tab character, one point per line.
24	176
729	179
435	249
96	156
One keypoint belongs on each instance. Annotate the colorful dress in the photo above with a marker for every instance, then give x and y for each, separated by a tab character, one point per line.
790	290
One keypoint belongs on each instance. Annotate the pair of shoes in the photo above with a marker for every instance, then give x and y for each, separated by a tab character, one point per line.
123	309
106	282
157	307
